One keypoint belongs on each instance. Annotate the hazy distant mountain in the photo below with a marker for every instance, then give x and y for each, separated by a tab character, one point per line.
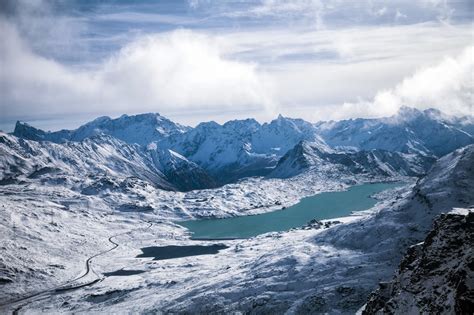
140	129
410	131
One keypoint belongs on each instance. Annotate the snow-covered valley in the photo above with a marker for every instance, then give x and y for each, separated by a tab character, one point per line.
77	206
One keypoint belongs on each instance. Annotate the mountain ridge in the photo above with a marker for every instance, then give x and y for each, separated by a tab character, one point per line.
427	132
223	153
99	155
306	156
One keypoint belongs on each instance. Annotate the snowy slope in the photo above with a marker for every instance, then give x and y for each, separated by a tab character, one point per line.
449	184
102	159
282	134
410	131
182	173
140	129
306	155
220	149
22	159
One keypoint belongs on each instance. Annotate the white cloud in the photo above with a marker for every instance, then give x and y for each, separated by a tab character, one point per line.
448	86
399	15
322	13
344	65
444	10
227	73
180	70
45	30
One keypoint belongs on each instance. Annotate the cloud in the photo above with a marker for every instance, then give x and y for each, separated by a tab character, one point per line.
315	72
226	72
327	13
179	70
447	86
45	27
183	69
442	7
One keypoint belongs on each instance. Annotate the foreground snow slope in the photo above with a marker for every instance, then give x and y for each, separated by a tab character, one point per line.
450	183
302	271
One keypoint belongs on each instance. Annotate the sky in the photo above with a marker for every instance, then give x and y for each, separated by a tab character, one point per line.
65	62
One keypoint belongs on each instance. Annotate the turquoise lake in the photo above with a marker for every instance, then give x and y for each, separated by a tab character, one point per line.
322	206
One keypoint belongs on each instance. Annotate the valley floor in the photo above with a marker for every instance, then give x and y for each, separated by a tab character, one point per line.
50	234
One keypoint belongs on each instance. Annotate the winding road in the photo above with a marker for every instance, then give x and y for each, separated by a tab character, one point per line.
16	305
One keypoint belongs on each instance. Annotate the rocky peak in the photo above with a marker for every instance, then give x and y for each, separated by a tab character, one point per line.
406	112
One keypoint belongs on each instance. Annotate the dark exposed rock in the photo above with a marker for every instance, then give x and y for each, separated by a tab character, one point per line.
434	277
4	280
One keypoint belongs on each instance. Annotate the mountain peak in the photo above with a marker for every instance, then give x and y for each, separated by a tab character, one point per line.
208	125
239	124
100	119
140	129
407	111
24	130
281	120
23	125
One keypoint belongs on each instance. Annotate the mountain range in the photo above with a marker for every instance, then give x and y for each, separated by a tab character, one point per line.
176	157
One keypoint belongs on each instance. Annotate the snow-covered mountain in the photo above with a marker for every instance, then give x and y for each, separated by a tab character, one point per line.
223	150
307	155
182	173
404	144
96	155
241	148
101	159
236	149
140	129
426	132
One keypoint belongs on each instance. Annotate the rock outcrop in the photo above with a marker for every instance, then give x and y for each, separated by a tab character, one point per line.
435	276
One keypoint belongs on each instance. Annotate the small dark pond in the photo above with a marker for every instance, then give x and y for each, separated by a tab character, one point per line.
123	273
173	251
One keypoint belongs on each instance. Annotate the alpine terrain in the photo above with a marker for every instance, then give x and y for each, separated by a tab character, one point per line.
90	218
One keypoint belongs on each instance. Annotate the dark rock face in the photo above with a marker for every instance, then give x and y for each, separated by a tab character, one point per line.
434	277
